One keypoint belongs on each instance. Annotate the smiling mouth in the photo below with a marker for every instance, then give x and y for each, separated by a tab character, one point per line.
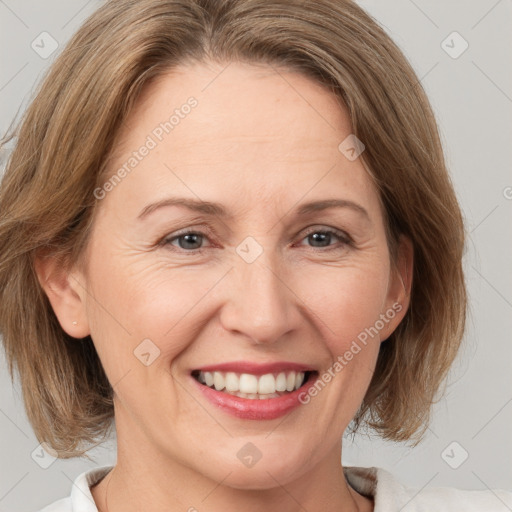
254	387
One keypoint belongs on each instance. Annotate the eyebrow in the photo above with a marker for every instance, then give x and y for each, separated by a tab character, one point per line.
216	209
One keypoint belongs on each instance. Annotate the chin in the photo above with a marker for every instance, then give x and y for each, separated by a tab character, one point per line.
278	467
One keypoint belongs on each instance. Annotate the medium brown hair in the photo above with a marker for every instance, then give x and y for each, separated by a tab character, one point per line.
67	133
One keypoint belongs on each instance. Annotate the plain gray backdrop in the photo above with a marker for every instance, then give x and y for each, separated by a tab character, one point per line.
469	442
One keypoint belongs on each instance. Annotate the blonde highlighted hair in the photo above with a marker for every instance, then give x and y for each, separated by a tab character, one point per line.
66	135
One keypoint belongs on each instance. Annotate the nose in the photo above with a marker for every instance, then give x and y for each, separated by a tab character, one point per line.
260	303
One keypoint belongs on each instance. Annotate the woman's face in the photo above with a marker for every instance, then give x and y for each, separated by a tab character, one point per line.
256	277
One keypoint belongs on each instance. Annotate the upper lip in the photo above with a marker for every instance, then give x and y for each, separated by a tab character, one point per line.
256	368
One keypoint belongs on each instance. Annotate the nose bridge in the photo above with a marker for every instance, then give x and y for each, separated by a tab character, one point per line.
260	304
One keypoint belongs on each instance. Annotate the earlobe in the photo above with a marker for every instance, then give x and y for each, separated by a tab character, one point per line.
65	295
400	285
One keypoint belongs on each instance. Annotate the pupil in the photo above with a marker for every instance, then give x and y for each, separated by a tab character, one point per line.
321	237
189	239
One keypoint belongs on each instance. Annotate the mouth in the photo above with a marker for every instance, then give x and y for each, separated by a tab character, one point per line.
254	391
254	387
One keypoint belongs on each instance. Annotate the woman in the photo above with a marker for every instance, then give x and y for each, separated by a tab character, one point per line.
228	225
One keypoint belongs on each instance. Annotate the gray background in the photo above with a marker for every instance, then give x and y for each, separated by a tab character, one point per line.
472	98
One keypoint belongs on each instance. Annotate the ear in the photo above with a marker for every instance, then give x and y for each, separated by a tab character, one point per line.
399	287
66	293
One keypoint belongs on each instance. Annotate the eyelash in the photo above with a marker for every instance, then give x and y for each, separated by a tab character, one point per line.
343	237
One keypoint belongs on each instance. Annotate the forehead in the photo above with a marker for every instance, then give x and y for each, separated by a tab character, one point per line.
240	101
257	131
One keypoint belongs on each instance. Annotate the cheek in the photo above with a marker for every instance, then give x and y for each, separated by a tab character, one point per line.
346	301
137	299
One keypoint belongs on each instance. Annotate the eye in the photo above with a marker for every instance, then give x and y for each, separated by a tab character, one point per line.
187	241
323	238
192	241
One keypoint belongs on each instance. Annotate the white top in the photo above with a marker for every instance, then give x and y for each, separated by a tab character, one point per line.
389	495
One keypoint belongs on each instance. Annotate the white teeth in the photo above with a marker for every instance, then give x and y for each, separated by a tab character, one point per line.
208	377
248	383
253	396
281	382
251	386
266	384
232	383
218	381
290	382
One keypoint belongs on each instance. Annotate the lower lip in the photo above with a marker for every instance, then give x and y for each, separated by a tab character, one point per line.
266	409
